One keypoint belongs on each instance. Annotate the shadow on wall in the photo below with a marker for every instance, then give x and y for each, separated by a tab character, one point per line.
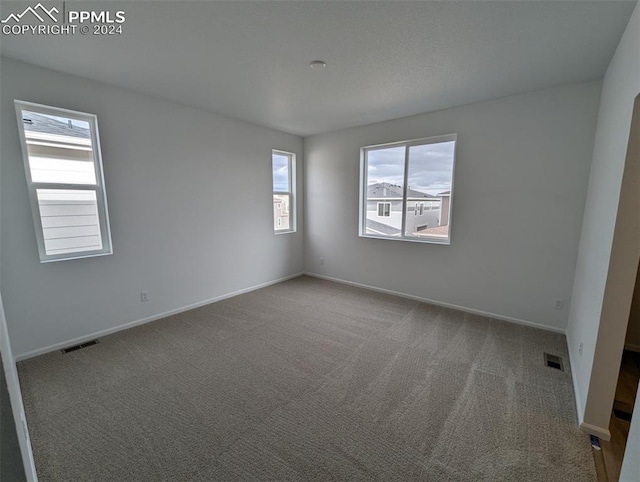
11	468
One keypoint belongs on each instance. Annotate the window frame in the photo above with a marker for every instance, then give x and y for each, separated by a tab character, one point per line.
362	211
98	188
291	192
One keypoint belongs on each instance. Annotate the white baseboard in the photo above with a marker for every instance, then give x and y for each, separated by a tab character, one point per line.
440	303
109	331
632	347
131	324
600	432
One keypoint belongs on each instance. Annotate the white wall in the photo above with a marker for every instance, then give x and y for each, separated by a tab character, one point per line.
620	86
190	206
524	158
618	293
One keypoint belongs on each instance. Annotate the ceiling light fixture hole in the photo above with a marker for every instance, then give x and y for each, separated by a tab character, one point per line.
317	64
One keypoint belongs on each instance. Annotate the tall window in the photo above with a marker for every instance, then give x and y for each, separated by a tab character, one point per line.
283	169
63	166
415	180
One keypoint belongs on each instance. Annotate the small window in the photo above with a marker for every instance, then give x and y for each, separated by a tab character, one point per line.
283	174
410	176
63	166
384	209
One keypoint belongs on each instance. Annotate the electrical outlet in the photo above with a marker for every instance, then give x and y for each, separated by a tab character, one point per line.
144	296
580	348
321	260
558	304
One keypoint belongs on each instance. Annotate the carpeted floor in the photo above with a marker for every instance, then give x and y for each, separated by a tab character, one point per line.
309	380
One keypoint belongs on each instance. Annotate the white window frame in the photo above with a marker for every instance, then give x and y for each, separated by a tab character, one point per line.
291	192
362	214
99	187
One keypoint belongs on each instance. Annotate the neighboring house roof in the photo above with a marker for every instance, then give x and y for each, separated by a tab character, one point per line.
385	190
382	228
445	193
42	123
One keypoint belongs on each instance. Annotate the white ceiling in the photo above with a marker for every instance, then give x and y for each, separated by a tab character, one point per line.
250	60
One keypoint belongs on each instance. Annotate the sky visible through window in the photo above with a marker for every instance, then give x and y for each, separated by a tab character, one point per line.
280	173
430	167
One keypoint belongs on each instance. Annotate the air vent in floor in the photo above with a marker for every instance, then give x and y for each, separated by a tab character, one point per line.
80	346
553	361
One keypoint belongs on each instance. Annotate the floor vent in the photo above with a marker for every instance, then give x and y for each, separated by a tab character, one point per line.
553	361
80	346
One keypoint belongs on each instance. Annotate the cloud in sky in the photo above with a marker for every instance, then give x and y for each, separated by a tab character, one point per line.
430	166
280	172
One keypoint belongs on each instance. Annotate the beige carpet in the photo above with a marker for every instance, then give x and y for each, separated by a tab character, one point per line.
309	380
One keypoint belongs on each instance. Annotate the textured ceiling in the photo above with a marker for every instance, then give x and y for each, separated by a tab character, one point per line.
250	60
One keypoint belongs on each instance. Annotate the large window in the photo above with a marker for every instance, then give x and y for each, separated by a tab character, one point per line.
61	151
283	170
406	190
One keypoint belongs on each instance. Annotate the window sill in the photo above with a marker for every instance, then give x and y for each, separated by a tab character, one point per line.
78	256
426	240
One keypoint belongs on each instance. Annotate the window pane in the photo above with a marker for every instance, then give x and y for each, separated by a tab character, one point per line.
70	221
429	190
281	212
385	186
59	149
280	172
